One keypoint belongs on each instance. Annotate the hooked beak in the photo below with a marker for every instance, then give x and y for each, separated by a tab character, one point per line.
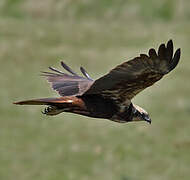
147	119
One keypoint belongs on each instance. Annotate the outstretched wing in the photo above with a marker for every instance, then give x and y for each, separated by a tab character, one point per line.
68	84
128	79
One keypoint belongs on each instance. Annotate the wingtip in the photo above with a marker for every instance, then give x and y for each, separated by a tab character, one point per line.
81	68
162	51
170	45
152	53
165	52
85	73
177	54
176	59
67	68
179	50
62	63
51	68
170	42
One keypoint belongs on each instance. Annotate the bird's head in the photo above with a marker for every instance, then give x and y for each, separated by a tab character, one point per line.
139	114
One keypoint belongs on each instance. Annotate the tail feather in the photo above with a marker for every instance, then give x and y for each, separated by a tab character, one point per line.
45	101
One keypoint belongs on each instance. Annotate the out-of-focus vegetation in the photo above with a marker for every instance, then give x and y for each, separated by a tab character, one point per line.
97	35
106	9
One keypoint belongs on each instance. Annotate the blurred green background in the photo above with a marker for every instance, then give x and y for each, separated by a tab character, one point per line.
96	34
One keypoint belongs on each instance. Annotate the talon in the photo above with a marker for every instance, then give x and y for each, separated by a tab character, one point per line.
43	112
51	110
46	110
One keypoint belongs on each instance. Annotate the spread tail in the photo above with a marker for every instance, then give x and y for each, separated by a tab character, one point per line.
45	101
55	105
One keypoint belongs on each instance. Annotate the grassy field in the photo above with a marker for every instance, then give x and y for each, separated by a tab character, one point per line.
97	35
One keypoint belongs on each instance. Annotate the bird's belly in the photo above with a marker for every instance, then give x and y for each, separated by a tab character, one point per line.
99	107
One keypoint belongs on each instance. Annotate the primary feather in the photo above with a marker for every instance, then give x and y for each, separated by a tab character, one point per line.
128	79
68	84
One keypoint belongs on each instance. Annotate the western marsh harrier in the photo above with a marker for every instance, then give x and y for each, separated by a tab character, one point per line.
110	96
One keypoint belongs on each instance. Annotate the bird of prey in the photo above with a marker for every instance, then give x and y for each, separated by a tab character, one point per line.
108	97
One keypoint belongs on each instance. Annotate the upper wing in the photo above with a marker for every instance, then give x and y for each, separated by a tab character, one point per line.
128	79
68	84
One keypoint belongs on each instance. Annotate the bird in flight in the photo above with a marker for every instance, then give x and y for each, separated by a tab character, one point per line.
108	97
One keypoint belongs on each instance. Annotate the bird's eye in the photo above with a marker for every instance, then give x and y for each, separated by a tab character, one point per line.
134	111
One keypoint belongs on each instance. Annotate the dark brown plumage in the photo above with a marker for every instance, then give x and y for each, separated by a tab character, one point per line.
110	96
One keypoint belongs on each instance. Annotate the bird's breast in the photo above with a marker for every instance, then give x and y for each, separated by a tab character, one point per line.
123	115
